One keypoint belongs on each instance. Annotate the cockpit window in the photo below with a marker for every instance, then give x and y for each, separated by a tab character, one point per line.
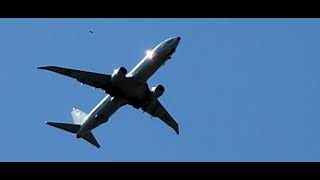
170	41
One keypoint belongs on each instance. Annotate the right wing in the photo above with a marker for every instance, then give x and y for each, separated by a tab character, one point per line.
96	80
157	110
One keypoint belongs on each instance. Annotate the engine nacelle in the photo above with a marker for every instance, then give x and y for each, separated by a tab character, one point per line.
118	74
157	91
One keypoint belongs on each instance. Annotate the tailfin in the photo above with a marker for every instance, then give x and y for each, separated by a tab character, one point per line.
78	116
74	128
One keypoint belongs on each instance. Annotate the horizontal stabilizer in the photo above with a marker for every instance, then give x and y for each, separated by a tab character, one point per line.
73	128
91	139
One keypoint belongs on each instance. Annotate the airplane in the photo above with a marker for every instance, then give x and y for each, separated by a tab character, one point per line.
122	89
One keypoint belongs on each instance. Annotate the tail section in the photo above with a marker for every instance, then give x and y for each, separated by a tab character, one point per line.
78	116
74	128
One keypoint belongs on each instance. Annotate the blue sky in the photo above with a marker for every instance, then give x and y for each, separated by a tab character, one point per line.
241	89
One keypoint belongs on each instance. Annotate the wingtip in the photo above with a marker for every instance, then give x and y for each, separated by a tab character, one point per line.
49	123
97	145
42	67
177	130
46	67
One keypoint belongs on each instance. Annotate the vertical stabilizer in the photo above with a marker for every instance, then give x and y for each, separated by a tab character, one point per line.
78	116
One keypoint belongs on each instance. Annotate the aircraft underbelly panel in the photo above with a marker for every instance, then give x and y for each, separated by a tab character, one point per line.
103	111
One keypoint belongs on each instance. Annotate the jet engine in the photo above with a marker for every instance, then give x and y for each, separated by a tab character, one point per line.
118	74
157	91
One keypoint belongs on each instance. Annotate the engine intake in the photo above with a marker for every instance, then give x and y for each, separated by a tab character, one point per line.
119	74
157	91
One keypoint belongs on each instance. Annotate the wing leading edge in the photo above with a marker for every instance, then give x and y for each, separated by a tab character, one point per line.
157	110
96	80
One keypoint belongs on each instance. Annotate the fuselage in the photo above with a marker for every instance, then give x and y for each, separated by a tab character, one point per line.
153	60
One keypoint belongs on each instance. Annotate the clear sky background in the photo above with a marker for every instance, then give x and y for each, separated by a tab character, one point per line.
241	89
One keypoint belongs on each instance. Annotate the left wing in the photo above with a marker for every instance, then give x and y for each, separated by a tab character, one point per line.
90	78
157	110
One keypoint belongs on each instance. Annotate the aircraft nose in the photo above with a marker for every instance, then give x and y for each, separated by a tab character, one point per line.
177	41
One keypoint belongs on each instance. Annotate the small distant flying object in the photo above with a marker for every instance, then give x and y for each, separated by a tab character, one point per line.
122	89
90	31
